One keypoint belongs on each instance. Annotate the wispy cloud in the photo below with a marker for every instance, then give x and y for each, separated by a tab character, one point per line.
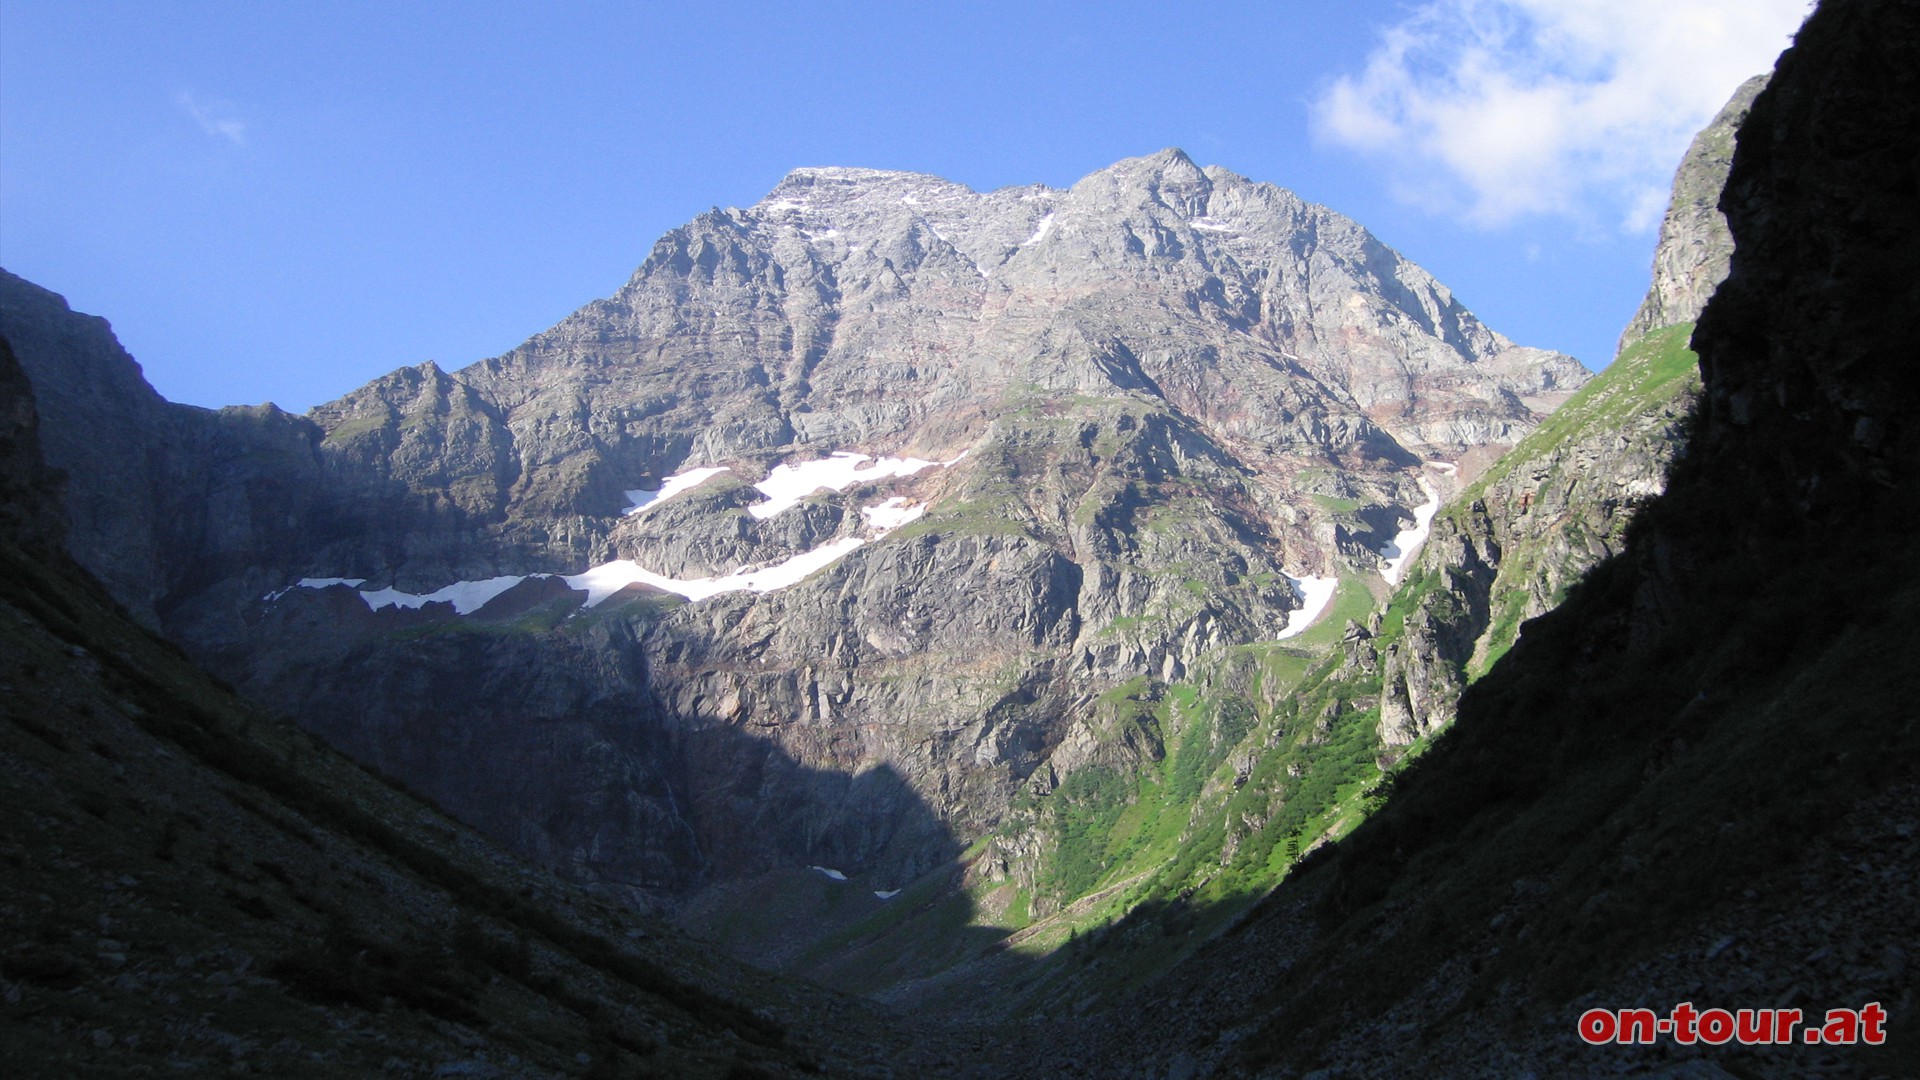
1503	109
216	117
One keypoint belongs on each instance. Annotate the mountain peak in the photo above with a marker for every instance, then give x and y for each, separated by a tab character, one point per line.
827	184
1169	177
1169	164
1121	420
813	175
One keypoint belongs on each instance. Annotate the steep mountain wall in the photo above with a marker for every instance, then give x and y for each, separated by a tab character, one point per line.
1146	409
1695	246
32	496
182	511
1695	780
1509	547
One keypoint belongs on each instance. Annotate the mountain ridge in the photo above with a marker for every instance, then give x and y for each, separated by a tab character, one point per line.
1170	332
1161	410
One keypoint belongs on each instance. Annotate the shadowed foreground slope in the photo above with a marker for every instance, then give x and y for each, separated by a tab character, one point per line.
191	887
1697	780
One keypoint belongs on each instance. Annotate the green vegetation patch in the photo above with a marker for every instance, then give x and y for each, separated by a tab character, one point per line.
1647	374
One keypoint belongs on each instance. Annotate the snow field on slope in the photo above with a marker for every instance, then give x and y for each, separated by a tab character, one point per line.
314	583
669	487
466	597
604	580
1315	594
1407	541
893	513
784	487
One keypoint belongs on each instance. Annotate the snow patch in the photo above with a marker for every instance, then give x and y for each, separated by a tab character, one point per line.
1039	234
671	486
466	597
1444	468
893	513
314	583
1210	225
604	580
601	582
1315	594
1408	541
786	485
834	874
888	895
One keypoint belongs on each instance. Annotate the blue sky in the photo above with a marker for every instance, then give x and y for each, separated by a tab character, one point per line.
281	201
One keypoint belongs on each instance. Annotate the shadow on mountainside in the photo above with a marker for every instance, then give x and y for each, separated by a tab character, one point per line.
1670	760
1699	778
1693	781
194	887
843	874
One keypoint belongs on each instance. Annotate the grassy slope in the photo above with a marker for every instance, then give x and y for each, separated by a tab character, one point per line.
1653	376
1646	375
1266	756
1143	865
1247	765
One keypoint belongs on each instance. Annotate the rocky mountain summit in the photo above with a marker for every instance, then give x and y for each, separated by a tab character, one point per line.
1139	421
1280	746
1695	246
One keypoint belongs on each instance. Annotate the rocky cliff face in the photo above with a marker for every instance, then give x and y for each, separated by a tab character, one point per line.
178	509
1515	541
1691	259
1510	546
1125	422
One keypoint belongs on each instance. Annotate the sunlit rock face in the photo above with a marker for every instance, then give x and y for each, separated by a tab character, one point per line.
588	595
1695	246
1544	516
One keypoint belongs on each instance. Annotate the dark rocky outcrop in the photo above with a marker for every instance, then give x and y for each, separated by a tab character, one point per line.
32	495
1695	780
194	887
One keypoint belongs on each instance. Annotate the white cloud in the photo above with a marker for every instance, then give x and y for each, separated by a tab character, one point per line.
1502	109
215	117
